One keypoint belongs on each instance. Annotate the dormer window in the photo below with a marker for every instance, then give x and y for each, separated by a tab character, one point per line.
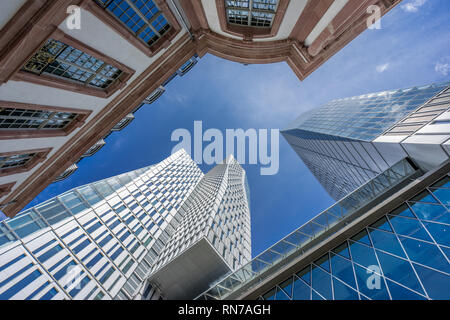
251	18
252	13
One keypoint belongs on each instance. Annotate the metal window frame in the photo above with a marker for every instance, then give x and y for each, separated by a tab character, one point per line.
250	10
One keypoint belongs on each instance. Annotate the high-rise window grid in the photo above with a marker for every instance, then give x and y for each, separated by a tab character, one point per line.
252	13
142	17
114	250
60	60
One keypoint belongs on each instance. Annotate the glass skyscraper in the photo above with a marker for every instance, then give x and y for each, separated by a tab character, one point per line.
371	245
347	142
385	158
106	239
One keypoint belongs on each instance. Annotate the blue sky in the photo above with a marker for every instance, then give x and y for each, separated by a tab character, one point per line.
412	48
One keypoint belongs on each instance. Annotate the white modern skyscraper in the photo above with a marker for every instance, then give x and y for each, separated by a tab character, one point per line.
347	142
105	240
213	236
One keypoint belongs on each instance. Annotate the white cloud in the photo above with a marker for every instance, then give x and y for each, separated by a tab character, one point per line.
413	6
442	68
382	67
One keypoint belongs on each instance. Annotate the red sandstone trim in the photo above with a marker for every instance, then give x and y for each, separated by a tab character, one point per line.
311	15
290	50
50	81
127	34
6	188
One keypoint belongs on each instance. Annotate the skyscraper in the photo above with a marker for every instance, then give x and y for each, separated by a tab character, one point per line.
388	239
85	65
106	239
385	158
213	236
347	142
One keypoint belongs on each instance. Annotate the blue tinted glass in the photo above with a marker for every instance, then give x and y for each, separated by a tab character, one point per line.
61	273
425	253
431	212
38	290
399	270
424	196
409	227
94	260
105	240
101	269
79	287
401	293
27	229
44	246
342	250
60	262
446	251
440	232
301	290
387	242
50	253
362	237
436	284
362	254
443	195
443	183
316	296
382	224
403	210
50	294
94	227
287	286
270	295
343	292
16	274
321	282
9	293
81	246
364	117
10	263
116	253
343	270
323	262
281	295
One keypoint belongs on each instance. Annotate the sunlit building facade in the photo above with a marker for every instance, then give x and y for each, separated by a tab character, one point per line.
105	239
370	245
347	142
213	237
83	81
